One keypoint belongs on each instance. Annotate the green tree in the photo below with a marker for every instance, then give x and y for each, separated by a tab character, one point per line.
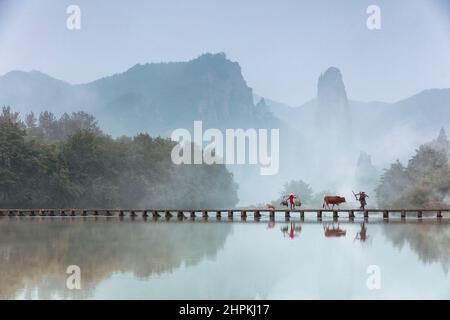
425	182
70	163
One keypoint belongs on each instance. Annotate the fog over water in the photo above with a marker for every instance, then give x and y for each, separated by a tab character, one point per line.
221	260
334	88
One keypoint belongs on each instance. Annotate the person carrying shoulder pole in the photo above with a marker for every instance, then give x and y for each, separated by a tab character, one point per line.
361	197
291	201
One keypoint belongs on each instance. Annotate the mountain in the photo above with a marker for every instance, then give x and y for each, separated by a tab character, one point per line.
321	138
23	90
159	97
425	109
336	130
155	98
281	109
385	130
332	105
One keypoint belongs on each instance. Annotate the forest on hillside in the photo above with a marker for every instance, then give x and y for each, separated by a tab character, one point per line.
423	182
69	162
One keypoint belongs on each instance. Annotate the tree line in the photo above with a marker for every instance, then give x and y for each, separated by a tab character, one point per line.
424	182
68	161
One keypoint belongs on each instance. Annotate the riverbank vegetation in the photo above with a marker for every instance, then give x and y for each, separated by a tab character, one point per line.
423	183
69	162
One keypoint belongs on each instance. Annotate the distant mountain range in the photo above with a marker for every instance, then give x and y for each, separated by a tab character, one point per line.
425	110
387	129
155	98
159	97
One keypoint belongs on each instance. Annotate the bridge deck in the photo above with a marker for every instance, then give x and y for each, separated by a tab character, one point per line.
180	212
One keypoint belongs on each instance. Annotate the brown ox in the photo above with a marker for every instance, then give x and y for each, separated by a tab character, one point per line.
333	200
332	231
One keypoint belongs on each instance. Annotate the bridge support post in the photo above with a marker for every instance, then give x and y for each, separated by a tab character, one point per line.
419	214
302	214
168	215
218	214
351	214
385	214
230	214
155	214
205	214
319	214
335	214
272	215
439	214
403	214
257	214
287	214
144	214
243	214
366	214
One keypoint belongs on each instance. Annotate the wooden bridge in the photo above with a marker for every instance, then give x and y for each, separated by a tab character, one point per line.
256	213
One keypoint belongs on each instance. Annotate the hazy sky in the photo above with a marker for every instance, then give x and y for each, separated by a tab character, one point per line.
282	46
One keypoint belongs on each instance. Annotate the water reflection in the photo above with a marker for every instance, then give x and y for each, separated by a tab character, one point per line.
332	230
291	231
431	241
35	253
362	234
271	224
222	260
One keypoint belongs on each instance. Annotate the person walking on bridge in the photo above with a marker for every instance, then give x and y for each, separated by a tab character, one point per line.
291	201
361	197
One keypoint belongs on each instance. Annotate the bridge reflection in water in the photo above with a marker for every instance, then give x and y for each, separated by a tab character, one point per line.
230	213
209	259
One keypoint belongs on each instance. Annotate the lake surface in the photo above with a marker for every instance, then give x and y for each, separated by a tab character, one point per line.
126	259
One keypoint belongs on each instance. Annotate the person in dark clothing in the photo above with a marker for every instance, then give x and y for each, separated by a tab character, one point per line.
361	197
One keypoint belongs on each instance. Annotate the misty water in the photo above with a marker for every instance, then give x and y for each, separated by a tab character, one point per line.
136	259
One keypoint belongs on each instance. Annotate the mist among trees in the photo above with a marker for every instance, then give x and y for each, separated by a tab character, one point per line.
69	162
424	182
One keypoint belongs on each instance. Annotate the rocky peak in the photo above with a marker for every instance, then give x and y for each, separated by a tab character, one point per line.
442	137
364	159
331	88
332	113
